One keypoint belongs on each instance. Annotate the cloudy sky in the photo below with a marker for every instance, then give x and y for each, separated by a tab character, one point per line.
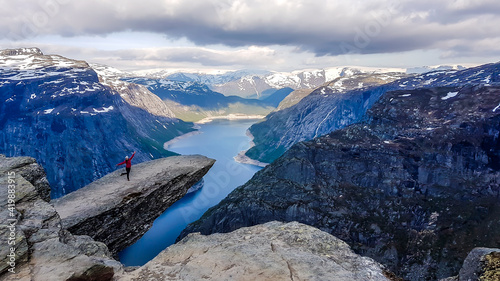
280	35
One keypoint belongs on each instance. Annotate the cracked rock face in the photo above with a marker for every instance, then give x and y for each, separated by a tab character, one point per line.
272	251
43	249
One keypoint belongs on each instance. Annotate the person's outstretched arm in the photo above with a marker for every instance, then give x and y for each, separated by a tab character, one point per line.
132	156
120	163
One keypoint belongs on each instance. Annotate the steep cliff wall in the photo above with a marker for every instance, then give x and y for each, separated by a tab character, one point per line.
416	186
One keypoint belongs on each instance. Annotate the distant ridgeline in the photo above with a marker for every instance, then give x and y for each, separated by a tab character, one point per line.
193	101
344	101
76	123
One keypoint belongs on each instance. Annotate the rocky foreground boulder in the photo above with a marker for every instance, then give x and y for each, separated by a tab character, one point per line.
272	251
481	264
415	186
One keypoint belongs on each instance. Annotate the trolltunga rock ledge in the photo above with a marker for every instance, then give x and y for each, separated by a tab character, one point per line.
117	212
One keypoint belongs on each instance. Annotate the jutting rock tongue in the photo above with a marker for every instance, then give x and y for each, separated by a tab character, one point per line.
118	212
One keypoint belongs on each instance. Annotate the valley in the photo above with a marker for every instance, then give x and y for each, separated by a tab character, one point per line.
220	140
400	165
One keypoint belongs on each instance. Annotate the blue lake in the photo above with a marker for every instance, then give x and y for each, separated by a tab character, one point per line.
220	140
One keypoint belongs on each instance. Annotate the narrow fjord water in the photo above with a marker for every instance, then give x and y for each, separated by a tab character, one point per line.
220	140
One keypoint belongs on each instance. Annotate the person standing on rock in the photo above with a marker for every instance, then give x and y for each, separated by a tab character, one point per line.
128	165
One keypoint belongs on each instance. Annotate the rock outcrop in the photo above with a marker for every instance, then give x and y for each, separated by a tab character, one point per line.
482	264
415	186
34	246
117	212
43	249
272	251
344	101
74	122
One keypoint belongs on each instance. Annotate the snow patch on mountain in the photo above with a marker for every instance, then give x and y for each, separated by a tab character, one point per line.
450	95
104	109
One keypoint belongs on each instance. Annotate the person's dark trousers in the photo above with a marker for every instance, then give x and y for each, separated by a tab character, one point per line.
127	173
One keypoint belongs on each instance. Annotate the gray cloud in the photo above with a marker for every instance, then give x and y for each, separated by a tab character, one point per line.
176	57
323	27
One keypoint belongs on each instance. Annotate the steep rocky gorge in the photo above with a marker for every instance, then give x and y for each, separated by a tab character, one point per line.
415	186
45	250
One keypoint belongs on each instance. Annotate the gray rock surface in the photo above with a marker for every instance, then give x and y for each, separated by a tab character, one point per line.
117	212
29	170
482	264
272	251
42	249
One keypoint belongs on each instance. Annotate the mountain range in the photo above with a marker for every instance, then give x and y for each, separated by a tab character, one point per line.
344	101
77	123
260	83
193	101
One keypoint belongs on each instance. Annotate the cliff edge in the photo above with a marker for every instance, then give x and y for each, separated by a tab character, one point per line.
117	212
41	249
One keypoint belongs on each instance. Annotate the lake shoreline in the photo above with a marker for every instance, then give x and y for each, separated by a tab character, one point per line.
243	159
230	117
178	138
